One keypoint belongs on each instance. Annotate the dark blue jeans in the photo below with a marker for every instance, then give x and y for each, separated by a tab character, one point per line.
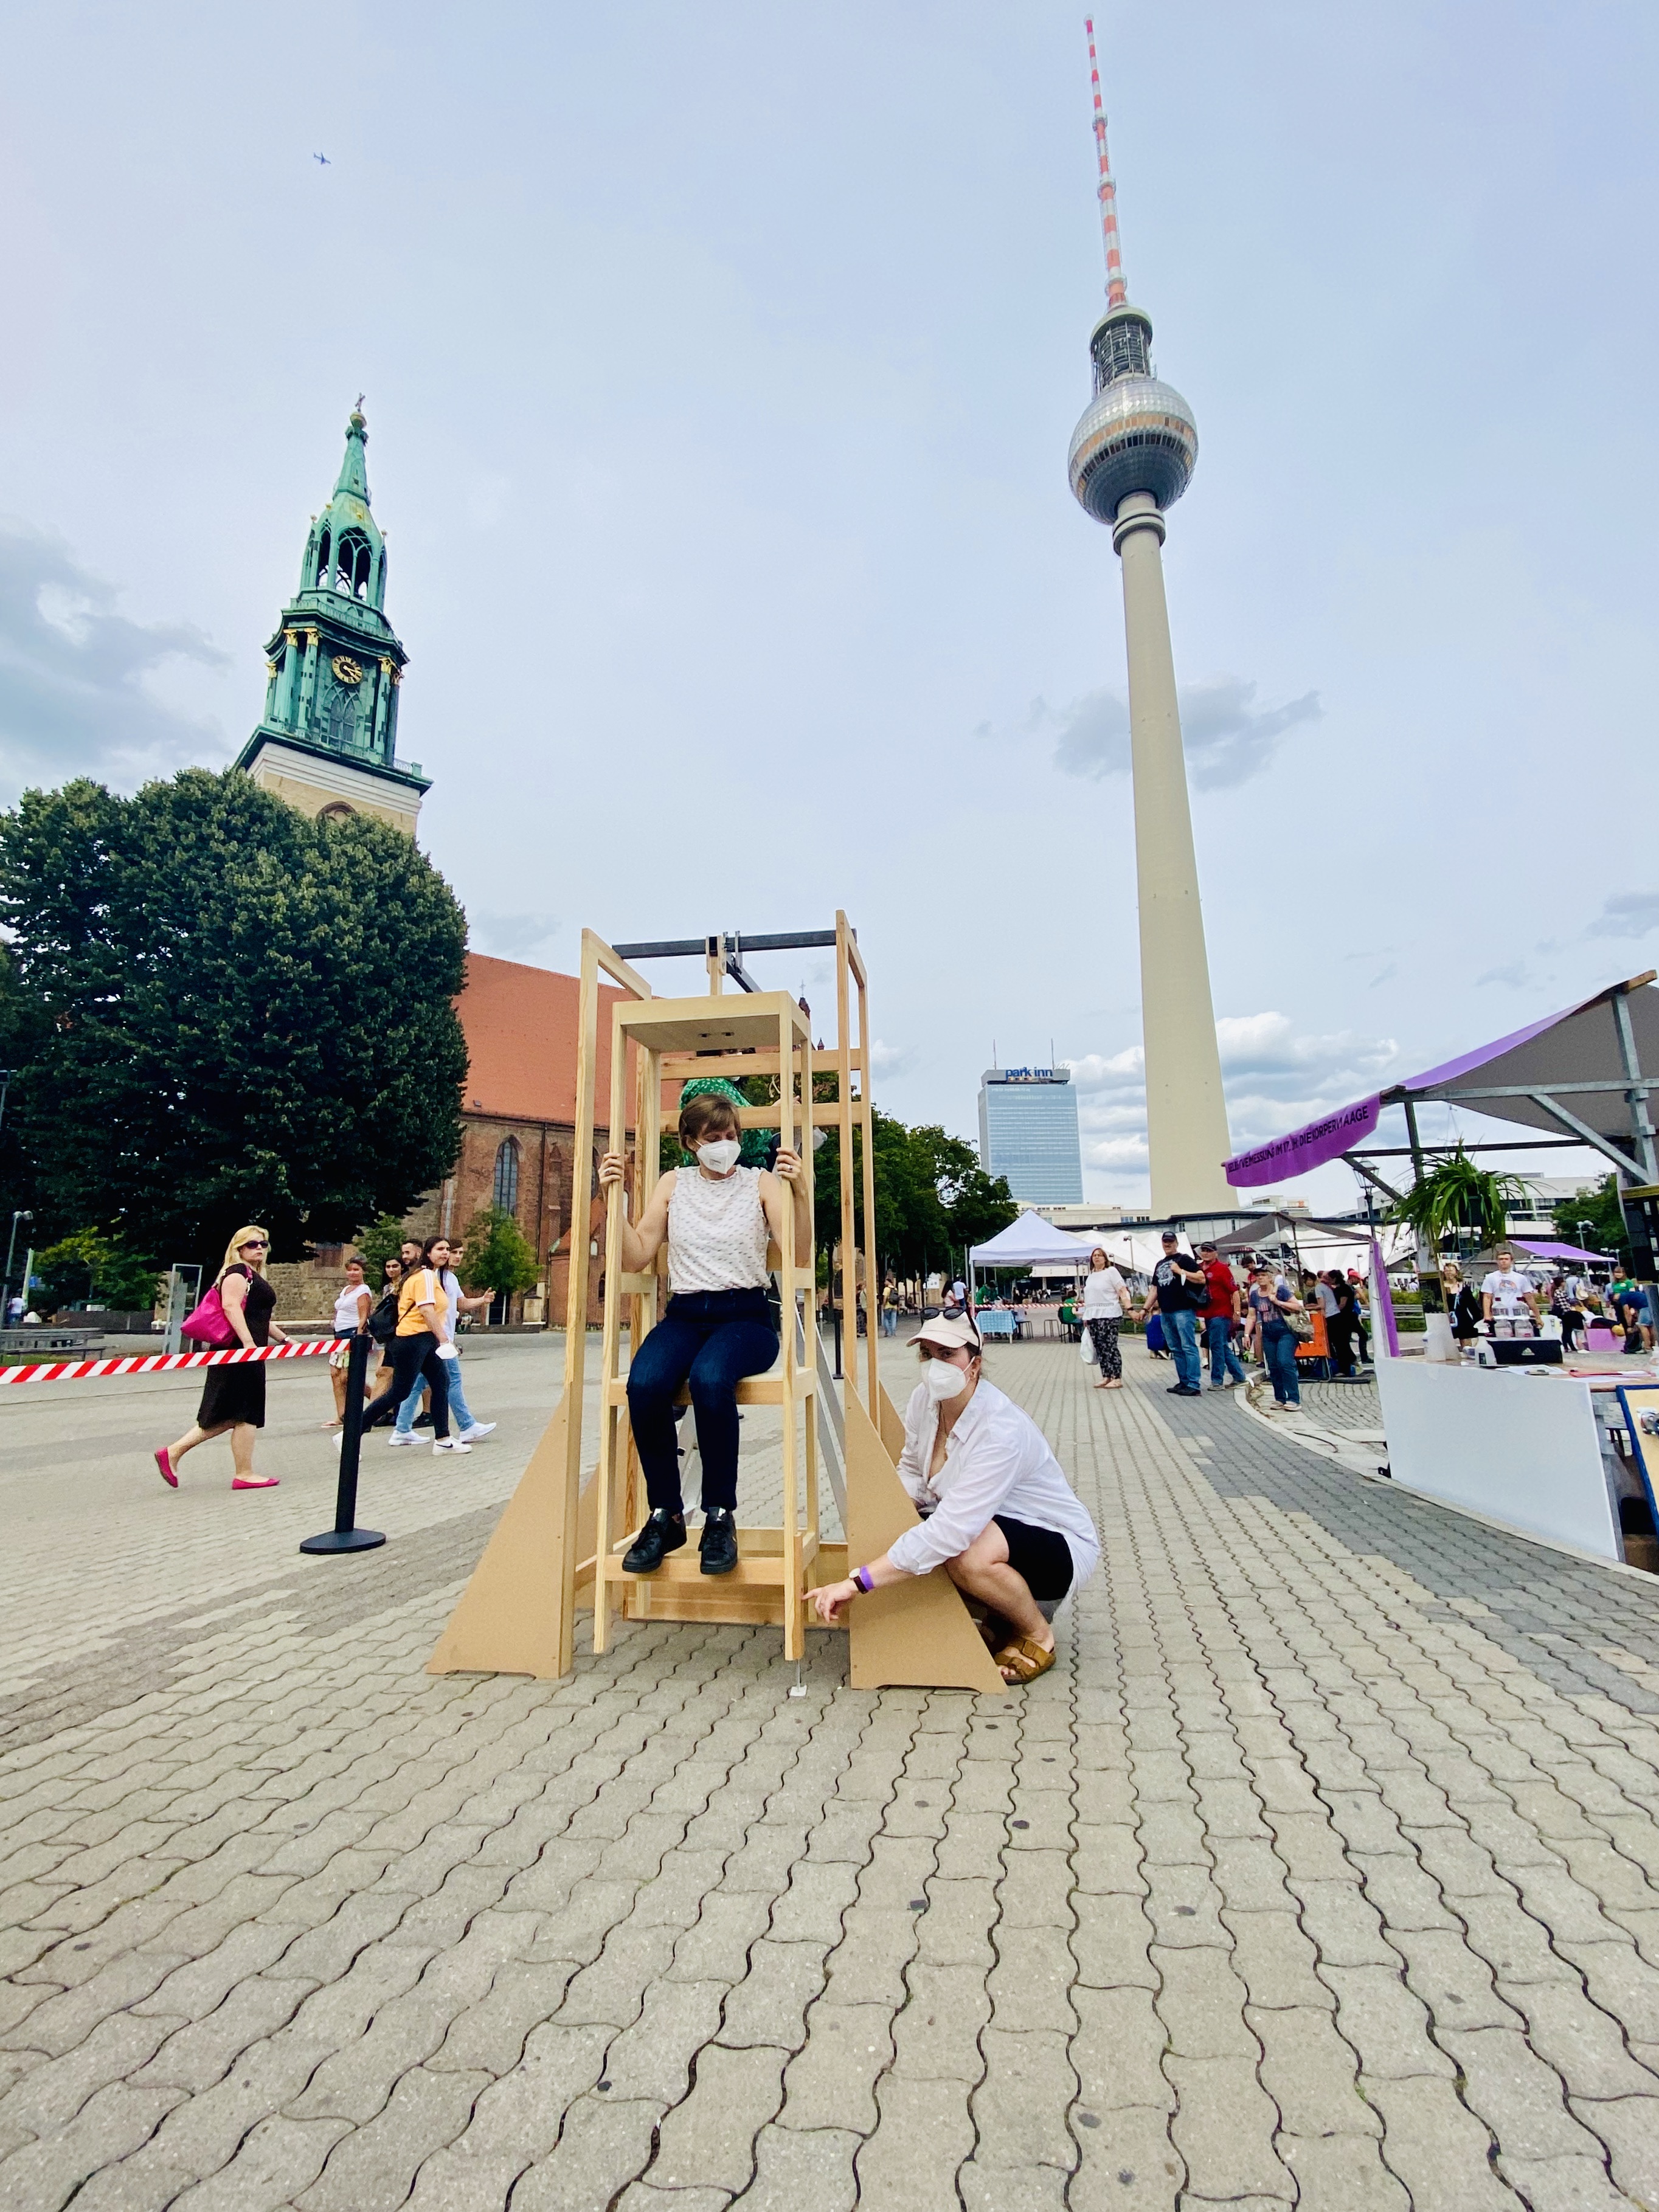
1279	1347
1223	1360
709	1339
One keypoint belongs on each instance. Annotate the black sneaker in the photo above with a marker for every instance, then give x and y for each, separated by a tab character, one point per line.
663	1532
718	1541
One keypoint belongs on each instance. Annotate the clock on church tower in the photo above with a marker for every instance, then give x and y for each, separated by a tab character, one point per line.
328	740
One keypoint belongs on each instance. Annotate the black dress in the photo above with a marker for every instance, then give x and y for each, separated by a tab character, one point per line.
238	1394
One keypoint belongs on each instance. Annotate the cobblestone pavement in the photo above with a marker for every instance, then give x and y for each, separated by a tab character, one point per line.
1323	1869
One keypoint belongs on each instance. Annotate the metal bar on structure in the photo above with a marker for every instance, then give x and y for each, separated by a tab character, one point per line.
1643	1084
1636	1096
1360	1168
345	1535
1622	1161
697	948
1519	1144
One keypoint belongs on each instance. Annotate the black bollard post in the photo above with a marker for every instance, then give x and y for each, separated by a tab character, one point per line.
837	1314
345	1535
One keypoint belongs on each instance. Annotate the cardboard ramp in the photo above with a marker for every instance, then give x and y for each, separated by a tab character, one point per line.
508	1619
915	1634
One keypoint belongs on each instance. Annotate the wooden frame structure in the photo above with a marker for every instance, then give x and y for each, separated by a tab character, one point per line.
558	1546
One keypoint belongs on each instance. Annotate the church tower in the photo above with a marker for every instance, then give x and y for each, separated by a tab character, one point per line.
328	740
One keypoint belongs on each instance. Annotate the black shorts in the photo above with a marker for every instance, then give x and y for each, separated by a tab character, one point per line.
1041	1557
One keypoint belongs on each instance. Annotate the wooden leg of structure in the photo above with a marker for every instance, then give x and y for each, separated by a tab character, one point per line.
914	1633
510	1619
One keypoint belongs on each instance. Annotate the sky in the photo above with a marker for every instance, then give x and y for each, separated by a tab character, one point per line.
720	366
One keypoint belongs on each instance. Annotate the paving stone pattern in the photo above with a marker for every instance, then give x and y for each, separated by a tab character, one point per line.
1323	1871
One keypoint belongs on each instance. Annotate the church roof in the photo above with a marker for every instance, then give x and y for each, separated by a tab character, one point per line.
520	1025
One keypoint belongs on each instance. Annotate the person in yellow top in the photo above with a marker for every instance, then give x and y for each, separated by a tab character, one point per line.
420	1349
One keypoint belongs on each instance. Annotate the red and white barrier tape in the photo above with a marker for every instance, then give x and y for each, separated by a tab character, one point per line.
158	1362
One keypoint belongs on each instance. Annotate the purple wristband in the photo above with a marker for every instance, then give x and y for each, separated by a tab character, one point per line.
861	1576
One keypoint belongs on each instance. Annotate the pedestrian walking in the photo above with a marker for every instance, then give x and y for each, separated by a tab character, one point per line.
437	1253
717	1219
233	1398
1339	1325
1274	1301
351	1310
1219	1316
1362	1322
1105	1294
1178	1288
419	1350
890	1308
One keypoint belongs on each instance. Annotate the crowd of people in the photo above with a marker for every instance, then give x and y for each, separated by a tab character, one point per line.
1507	1295
412	1321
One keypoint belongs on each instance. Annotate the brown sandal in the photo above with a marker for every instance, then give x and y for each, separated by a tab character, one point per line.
1026	1659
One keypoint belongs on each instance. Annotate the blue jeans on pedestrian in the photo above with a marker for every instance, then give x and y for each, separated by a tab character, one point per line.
1279	1347
709	1340
411	1405
1180	1335
1218	1334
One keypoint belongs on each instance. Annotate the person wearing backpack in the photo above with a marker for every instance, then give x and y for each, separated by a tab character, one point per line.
419	1347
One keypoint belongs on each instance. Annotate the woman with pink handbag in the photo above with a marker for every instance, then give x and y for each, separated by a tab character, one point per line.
237	1310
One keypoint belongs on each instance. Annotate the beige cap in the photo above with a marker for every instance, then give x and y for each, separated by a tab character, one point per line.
950	1331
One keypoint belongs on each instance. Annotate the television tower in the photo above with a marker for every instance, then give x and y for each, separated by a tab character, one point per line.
1132	457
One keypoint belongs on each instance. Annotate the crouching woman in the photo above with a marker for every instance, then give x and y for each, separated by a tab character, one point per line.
998	1513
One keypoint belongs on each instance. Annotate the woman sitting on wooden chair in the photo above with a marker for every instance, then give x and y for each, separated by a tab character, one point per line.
718	1218
998	1515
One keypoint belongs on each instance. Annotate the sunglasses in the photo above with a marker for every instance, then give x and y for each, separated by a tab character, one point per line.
255	1244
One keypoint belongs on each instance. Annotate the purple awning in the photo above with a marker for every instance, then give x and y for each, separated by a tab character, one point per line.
1579	1044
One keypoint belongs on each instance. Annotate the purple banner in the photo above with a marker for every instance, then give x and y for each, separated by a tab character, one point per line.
1308	1147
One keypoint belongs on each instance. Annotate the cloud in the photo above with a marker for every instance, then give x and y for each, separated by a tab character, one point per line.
1627	914
890	1058
1516	976
1228	739
1275	1075
74	695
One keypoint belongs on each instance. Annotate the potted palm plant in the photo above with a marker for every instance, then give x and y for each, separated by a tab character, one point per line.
1454	1199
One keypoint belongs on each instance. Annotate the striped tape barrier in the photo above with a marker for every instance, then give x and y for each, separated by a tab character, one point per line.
161	1362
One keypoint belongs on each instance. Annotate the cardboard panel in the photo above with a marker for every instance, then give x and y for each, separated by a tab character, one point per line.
507	1620
892	1425
917	1633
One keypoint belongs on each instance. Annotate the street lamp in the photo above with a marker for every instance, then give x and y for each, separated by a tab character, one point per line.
21	1214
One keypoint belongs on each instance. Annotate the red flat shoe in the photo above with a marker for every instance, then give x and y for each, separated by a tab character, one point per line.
164	1467
256	1482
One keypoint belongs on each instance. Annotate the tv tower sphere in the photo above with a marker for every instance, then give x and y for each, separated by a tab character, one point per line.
1137	434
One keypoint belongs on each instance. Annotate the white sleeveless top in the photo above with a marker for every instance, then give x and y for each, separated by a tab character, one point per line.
717	1232
345	1308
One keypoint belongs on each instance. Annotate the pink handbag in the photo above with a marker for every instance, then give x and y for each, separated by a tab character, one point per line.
209	1323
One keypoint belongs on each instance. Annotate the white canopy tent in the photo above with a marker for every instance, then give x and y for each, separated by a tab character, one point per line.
1029	1243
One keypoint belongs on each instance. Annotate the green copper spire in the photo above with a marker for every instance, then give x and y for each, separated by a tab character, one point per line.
335	665
353	469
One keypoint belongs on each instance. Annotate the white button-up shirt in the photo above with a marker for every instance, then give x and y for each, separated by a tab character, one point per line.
996	1461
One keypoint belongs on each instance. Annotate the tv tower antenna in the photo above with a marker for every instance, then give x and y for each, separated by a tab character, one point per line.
1117	292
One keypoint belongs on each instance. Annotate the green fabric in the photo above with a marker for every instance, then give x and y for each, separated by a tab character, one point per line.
756	1143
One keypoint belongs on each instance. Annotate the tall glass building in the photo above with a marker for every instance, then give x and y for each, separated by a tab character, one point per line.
1027	1132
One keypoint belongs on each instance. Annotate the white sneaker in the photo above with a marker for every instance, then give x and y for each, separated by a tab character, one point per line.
401	1437
479	1430
449	1444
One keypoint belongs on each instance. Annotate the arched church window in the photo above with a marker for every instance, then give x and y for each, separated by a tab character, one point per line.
337	812
322	563
352	563
506	1193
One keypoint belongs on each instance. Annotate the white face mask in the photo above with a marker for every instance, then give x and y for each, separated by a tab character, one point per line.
944	1380
720	1156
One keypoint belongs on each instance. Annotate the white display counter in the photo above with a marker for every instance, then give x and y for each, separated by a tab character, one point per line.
1520	1446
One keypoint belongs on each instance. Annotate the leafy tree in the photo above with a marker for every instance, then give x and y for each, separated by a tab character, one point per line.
96	1267
933	1198
1593	1221
375	1245
496	1256
229	1013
